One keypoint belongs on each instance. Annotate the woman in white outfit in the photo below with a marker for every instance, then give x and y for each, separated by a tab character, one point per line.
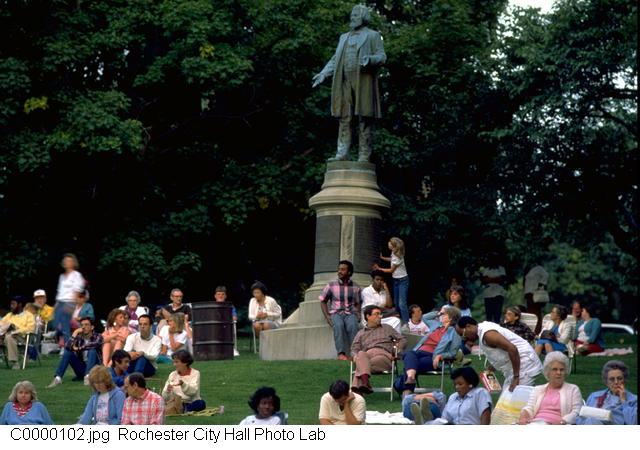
70	283
264	311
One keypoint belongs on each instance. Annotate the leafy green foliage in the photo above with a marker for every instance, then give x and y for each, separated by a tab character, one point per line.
177	142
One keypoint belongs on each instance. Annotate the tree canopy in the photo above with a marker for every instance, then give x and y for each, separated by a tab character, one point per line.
177	142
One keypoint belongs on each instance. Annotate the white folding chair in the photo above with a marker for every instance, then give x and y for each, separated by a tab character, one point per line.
393	373
235	339
530	320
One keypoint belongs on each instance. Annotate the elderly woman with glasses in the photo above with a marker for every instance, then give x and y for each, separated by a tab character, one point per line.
134	310
512	315
23	407
554	403
428	353
615	398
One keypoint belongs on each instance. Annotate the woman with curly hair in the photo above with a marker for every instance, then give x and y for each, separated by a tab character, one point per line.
554	403
264	311
115	334
266	406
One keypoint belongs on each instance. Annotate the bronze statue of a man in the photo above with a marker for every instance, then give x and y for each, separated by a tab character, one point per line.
354	91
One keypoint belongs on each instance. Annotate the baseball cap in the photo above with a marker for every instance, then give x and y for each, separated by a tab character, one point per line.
39	293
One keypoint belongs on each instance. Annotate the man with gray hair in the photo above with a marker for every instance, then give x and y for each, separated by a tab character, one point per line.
176	305
354	91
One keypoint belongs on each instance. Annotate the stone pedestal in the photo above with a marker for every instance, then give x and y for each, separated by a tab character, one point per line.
348	213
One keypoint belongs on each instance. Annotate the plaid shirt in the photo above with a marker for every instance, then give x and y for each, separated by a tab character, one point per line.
147	410
83	343
342	297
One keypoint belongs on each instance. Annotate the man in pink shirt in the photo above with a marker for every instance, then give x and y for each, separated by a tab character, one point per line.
142	407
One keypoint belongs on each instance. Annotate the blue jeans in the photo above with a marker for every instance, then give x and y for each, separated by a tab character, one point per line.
493	308
406	407
345	327
419	361
62	313
400	295
197	405
80	367
143	366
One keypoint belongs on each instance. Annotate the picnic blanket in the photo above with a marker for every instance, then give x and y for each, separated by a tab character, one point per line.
386	418
205	412
613	352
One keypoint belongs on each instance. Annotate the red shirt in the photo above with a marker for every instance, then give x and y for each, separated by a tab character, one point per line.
432	341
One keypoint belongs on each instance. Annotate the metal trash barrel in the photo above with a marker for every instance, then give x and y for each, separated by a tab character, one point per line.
212	325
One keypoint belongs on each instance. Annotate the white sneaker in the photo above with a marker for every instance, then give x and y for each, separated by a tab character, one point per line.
86	380
236	352
15	366
57	381
49	335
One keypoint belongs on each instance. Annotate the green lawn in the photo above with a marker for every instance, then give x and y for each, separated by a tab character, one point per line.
299	384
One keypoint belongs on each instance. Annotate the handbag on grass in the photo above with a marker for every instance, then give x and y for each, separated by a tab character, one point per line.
173	406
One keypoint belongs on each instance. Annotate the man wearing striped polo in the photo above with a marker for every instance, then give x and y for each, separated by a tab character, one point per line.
340	302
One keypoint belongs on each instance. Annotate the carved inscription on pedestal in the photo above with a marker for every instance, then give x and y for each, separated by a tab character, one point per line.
327	243
367	243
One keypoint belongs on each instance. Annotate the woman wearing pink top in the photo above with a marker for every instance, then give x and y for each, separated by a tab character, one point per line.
115	334
554	403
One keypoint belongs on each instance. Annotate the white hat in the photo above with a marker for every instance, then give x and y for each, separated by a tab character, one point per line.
39	293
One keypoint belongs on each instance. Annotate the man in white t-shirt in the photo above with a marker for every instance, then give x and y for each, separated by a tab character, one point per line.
505	351
340	406
143	348
377	294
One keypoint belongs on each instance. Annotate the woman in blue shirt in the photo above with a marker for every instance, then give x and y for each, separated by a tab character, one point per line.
427	354
105	405
24	408
470	405
555	334
622	403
